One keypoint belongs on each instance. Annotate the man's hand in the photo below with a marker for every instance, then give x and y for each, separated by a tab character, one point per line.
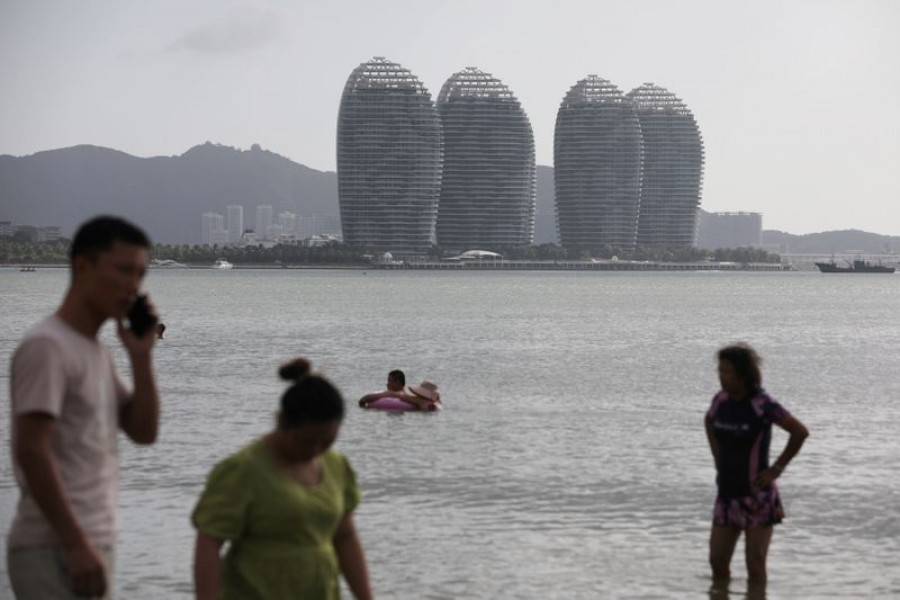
139	415
138	346
86	570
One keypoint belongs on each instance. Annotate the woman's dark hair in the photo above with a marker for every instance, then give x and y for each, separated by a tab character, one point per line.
311	398
746	363
100	233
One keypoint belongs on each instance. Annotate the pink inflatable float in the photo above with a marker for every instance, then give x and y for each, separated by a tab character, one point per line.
394	404
398	405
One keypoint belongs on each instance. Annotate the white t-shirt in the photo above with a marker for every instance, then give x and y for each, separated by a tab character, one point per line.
58	371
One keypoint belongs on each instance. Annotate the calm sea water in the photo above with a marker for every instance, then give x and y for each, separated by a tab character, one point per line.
570	461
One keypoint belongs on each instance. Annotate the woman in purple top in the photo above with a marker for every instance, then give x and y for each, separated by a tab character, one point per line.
739	429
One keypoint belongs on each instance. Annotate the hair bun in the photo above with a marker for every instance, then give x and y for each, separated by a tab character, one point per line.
295	370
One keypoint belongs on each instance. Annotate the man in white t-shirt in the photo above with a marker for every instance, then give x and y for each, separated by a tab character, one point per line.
68	404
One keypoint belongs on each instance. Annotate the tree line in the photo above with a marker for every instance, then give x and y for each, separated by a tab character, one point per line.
643	253
17	250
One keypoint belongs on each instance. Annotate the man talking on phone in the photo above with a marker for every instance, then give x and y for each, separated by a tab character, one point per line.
68	404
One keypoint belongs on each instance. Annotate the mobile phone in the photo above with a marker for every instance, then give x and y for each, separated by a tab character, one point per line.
139	318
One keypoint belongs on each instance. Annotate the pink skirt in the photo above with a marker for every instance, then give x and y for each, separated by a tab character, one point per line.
761	509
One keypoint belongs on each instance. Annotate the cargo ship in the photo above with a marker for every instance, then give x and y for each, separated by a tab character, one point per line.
857	266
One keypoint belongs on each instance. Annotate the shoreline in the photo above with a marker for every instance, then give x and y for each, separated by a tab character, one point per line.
500	265
581	265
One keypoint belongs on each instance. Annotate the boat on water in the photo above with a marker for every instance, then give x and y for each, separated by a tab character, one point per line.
856	266
27	269
222	264
156	263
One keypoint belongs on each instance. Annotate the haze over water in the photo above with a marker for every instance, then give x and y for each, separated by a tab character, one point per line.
570	461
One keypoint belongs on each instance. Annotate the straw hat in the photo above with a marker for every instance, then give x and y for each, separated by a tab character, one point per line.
427	390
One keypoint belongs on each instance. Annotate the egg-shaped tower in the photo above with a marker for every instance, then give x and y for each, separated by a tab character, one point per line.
389	153
597	167
488	187
672	178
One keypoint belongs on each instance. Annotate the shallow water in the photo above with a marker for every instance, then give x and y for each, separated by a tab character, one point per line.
570	461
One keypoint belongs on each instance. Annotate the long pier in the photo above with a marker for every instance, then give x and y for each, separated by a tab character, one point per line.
578	265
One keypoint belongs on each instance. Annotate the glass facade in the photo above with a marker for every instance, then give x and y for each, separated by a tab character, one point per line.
673	169
488	187
597	152
389	155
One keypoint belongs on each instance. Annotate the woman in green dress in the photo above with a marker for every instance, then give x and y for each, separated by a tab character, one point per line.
284	504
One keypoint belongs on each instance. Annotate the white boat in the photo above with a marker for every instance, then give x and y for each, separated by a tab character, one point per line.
222	264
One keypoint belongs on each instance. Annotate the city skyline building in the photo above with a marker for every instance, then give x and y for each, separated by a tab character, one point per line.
264	219
672	173
318	225
597	152
235	223
288	227
389	159
49	233
212	229
488	182
288	222
36	233
274	232
729	230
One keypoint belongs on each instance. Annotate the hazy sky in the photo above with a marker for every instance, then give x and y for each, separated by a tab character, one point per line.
797	100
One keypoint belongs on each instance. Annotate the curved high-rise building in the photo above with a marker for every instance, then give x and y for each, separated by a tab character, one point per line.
672	178
389	153
488	187
597	167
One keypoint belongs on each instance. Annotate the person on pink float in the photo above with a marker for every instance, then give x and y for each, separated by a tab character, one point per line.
424	397
739	430
396	381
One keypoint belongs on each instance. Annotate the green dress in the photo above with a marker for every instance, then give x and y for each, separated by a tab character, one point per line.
280	531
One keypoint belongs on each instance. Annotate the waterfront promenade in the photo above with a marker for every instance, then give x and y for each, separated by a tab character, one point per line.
579	265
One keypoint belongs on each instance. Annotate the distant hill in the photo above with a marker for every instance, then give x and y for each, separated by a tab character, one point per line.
165	194
846	241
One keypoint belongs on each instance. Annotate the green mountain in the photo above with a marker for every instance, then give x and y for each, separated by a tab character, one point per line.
164	194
